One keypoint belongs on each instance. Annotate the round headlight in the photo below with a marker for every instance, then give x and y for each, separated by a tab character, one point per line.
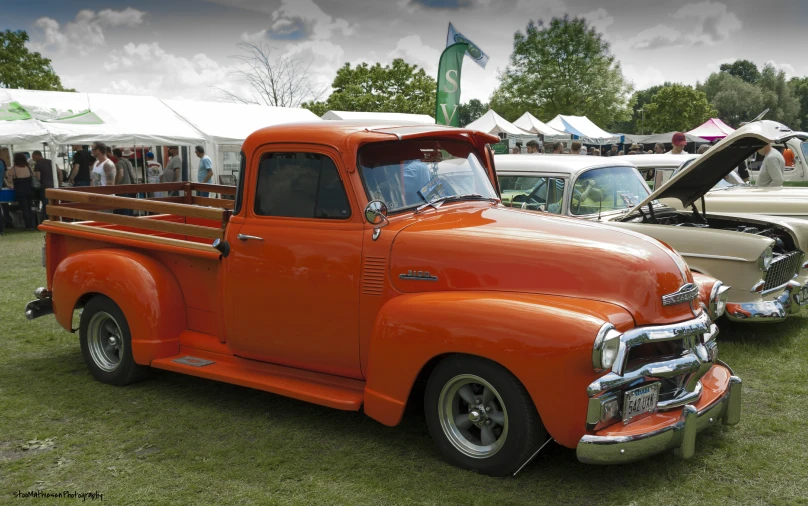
765	260
606	348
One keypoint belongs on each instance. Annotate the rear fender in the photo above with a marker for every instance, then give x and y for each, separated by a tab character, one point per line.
545	341
146	291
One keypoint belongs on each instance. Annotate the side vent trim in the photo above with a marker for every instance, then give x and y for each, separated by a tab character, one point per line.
374	273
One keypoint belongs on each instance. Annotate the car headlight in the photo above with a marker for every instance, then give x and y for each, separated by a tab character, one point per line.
607	345
765	260
718	300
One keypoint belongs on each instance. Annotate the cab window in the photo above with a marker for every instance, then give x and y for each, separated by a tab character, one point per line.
300	185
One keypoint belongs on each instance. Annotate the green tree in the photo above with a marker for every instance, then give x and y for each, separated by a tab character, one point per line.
470	111
734	99
743	69
635	123
565	67
677	107
20	68
799	87
398	87
779	97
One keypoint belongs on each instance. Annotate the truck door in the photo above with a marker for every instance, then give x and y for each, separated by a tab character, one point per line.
293	270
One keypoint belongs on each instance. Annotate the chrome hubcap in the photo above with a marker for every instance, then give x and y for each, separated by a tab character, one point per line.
473	416
104	341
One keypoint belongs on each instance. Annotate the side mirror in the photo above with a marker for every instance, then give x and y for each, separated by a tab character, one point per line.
376	214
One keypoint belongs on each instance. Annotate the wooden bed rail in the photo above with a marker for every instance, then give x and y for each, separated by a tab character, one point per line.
93	204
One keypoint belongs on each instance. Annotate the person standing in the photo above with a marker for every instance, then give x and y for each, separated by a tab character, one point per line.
205	172
558	148
43	168
679	141
154	171
575	147
772	168
659	149
103	173
80	175
788	156
173	170
533	148
22	182
124	172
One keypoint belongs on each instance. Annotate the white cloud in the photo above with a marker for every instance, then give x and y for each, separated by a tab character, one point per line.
599	19
785	67
413	50
655	37
86	31
643	77
713	22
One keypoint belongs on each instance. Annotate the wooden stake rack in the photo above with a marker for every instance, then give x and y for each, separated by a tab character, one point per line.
190	216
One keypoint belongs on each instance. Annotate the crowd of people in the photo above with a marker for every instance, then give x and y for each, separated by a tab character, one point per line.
100	165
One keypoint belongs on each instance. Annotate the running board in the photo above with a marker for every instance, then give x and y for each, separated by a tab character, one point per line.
318	388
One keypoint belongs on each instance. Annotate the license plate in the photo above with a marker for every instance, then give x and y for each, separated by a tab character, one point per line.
640	401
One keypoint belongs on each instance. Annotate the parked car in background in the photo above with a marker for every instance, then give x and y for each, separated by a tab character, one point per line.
730	194
363	260
761	257
794	173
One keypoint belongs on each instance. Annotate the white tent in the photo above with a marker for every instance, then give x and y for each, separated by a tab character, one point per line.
379	116
226	125
493	123
581	127
530	123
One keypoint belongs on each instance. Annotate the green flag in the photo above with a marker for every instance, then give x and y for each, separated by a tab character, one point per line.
448	98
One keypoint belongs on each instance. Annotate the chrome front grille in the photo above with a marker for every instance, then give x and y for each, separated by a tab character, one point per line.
782	270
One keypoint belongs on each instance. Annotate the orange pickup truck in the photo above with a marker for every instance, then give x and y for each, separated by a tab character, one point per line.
358	261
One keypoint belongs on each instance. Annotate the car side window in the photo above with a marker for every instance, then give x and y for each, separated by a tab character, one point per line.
300	185
555	195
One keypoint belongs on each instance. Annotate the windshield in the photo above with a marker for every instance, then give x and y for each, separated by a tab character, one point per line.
405	174
730	180
607	189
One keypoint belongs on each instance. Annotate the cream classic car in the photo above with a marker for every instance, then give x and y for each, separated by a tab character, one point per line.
729	195
761	257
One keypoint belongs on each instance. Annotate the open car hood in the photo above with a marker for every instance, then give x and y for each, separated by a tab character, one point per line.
705	172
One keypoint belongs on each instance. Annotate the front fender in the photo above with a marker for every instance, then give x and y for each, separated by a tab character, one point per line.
146	291
545	341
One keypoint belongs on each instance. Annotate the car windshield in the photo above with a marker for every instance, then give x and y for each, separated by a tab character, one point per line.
608	189
405	174
730	180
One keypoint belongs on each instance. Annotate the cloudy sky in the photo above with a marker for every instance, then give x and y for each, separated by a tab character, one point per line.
183	49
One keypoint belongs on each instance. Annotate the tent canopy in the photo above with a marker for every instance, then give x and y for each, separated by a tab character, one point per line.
582	128
379	116
530	123
712	129
229	123
80	118
667	138
493	123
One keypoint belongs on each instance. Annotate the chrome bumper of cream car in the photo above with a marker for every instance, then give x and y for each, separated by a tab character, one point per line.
790	302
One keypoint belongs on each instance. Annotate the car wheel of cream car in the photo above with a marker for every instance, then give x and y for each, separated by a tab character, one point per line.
480	416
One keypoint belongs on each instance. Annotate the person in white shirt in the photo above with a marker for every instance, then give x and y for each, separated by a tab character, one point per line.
103	171
772	168
679	142
154	171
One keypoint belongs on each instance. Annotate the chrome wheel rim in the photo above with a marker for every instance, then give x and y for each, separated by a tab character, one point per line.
473	416
105	341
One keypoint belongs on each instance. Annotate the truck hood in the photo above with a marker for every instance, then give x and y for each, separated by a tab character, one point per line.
695	180
467	248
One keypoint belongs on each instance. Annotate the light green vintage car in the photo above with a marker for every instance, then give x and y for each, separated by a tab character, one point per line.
761	257
729	195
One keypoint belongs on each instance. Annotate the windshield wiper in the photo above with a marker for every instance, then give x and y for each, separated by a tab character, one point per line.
436	203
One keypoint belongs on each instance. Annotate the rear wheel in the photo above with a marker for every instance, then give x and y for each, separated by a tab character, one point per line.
106	343
480	416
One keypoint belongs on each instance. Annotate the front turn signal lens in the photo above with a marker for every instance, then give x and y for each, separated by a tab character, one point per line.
606	347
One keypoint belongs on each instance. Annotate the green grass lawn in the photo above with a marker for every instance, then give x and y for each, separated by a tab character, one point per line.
795	183
180	440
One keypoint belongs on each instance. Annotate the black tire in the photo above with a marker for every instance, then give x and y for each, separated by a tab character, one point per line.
108	364
521	435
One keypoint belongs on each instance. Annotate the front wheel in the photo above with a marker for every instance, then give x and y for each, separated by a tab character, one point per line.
480	416
106	343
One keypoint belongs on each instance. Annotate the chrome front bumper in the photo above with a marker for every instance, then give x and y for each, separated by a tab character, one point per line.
679	436
790	302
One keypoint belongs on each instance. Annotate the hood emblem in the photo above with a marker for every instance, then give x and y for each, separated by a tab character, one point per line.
686	293
418	276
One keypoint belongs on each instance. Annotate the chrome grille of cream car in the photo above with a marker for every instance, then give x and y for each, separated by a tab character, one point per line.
782	270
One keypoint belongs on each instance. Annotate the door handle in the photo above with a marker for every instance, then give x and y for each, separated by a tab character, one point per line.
245	237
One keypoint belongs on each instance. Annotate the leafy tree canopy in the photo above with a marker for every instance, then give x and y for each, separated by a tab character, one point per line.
20	68
398	87
743	69
677	107
470	111
564	67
